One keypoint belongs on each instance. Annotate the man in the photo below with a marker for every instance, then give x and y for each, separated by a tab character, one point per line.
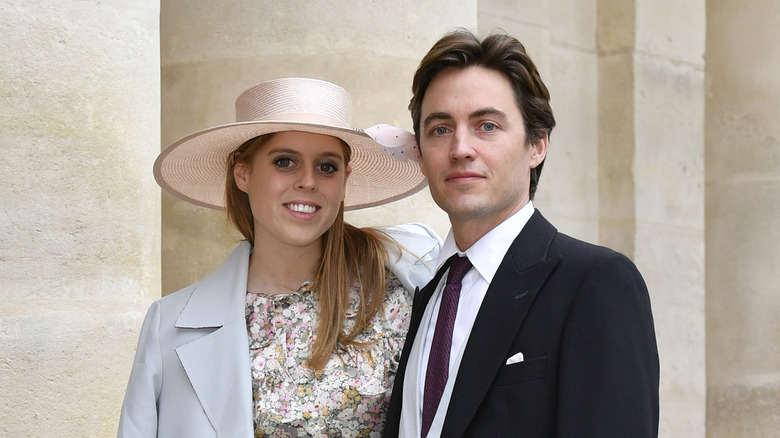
552	336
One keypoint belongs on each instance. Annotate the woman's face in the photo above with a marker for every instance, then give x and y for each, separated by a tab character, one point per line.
296	182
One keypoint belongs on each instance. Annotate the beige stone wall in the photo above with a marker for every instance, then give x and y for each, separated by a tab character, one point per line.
79	211
88	100
743	220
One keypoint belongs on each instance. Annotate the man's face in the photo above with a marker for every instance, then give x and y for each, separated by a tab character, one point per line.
474	150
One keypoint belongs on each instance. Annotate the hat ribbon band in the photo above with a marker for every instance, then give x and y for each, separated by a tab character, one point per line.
317	119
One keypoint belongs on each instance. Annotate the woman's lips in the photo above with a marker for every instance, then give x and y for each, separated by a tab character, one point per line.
302	208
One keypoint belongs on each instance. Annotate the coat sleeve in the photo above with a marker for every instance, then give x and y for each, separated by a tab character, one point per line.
419	246
609	368
139	409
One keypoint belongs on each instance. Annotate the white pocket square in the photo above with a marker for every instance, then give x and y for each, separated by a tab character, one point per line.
517	357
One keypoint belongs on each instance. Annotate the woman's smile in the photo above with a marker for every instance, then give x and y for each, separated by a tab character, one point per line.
302	208
296	184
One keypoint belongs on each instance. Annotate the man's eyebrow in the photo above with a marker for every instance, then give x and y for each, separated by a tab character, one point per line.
489	111
434	117
482	112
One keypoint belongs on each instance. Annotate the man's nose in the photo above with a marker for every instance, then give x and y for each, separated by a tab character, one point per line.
462	146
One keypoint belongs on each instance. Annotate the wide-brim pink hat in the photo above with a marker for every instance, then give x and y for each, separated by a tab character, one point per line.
384	158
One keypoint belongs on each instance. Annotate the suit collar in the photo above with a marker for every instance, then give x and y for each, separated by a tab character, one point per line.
519	278
487	253
532	245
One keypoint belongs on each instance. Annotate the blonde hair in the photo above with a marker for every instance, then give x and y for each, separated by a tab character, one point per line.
350	255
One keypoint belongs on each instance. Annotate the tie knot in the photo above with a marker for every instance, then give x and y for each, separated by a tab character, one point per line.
458	268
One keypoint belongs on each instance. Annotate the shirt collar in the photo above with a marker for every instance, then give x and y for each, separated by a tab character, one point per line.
487	253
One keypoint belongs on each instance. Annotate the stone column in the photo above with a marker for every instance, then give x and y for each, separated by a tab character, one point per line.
211	52
743	219
79	211
651	170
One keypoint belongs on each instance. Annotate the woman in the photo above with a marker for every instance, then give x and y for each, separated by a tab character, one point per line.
299	331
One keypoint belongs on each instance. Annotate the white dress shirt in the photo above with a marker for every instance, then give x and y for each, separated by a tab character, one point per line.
485	255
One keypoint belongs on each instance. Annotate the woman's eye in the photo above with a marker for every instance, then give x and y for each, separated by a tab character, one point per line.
283	162
328	168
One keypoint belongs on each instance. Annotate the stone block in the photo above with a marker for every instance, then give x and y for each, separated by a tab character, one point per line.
568	189
673	29
742	260
574	24
669	157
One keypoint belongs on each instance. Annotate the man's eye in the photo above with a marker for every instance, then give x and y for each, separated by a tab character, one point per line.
488	127
440	130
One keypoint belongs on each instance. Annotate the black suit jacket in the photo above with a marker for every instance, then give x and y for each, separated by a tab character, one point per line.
581	316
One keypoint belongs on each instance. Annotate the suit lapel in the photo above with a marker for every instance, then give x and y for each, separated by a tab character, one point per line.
518	280
217	364
421	299
424	296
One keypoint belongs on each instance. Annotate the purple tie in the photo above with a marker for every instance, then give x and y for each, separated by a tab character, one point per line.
439	358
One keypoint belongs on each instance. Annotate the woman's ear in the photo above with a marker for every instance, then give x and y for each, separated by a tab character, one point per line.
241	173
346	177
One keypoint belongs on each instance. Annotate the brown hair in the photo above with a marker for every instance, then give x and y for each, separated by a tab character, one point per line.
499	52
350	255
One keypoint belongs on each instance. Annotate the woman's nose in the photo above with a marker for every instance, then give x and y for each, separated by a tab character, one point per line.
306	180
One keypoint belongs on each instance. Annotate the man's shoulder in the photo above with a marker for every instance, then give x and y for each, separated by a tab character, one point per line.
577	252
565	241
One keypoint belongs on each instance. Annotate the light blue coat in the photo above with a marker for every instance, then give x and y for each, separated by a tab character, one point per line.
191	374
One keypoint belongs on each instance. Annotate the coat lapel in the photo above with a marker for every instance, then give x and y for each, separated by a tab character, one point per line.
519	278
217	364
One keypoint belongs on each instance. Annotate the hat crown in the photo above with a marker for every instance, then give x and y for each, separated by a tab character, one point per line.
299	100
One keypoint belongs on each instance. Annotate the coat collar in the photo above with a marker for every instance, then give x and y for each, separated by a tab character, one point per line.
220	296
217	364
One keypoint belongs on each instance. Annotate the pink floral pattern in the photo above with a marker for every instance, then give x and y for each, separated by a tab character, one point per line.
349	397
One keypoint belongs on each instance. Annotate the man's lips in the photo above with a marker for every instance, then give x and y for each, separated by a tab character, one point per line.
463	176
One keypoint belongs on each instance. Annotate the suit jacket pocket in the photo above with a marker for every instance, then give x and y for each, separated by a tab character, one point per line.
530	369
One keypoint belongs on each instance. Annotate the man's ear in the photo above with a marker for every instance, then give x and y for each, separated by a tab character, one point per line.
539	150
241	173
420	161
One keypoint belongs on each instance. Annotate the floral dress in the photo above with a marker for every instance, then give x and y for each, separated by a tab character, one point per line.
349	397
